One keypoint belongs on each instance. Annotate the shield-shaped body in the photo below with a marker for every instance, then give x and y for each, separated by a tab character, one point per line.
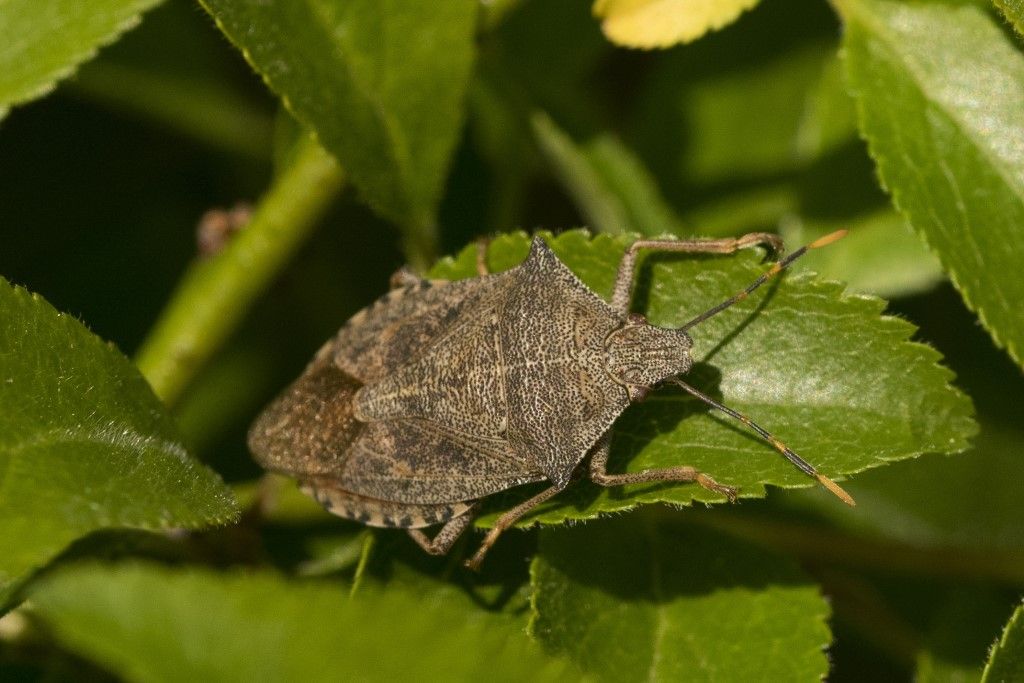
441	393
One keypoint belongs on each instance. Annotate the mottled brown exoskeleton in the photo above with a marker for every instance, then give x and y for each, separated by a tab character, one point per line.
441	393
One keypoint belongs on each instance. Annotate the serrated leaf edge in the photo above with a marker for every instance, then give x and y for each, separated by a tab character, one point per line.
408	213
1002	642
121	438
897	194
78	59
822	618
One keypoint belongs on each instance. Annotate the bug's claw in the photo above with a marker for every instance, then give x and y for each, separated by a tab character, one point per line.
710	484
478	557
475	561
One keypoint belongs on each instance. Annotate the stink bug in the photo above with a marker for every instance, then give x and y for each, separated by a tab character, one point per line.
441	393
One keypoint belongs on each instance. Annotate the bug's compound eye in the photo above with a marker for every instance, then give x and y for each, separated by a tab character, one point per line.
633	375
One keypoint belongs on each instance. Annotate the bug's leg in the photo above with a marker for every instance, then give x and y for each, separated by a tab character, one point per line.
481	255
442	541
623	290
506	521
599	473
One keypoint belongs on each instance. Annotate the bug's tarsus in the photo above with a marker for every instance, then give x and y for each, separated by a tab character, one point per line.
782	448
682	473
626	276
777	268
404	277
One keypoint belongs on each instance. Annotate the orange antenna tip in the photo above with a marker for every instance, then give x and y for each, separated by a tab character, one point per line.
828	239
836	489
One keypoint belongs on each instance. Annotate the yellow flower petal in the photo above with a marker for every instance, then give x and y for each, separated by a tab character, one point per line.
662	23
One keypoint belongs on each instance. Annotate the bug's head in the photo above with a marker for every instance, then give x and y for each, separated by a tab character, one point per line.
640	355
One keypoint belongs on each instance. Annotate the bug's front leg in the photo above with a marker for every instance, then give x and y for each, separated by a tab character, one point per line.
622	293
599	473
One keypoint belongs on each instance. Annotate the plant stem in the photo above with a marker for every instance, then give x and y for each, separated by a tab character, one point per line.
217	292
364	561
826	545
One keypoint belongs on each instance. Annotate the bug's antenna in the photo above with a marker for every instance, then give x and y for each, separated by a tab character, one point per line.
772	272
801	464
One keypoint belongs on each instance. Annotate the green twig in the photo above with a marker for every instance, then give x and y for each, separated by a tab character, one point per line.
196	108
364	561
217	292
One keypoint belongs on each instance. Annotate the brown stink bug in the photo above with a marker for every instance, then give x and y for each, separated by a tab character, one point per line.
441	393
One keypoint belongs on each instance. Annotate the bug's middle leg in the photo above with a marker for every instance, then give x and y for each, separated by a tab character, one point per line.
599	473
623	289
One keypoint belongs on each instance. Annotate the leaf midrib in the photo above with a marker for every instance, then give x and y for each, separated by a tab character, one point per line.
658	594
114	438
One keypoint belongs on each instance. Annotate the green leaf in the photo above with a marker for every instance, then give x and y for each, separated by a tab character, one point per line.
829	118
940	98
154	624
950	652
882	254
967	502
742	129
1006	663
607	181
631	602
44	42
813	365
381	83
1013	10
747	104
84	443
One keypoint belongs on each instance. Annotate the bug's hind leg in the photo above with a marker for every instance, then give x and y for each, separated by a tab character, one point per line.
442	541
599	473
506	521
